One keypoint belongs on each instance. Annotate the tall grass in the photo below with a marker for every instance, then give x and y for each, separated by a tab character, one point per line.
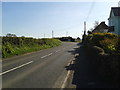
19	45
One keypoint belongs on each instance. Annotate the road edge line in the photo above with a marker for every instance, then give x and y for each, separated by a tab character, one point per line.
68	74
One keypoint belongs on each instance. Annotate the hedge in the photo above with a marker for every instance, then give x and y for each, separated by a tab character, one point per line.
18	45
108	41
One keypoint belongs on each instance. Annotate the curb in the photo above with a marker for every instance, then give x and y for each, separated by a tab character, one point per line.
68	80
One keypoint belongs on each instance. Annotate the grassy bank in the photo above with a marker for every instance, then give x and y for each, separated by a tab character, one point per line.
12	46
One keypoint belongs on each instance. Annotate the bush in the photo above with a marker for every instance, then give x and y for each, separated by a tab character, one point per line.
108	41
18	45
88	39
107	65
97	37
109	45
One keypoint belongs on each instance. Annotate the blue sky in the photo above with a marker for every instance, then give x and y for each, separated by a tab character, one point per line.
36	19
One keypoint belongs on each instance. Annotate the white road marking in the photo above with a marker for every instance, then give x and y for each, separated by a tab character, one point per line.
46	55
15	68
57	51
66	78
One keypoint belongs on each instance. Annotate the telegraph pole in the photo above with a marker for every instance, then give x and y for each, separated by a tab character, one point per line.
66	34
44	35
52	33
84	27
84	35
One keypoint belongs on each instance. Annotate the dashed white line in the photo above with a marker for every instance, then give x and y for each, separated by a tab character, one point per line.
15	68
57	51
46	55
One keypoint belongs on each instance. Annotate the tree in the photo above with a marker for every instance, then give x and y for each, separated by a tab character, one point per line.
96	24
89	32
78	38
11	35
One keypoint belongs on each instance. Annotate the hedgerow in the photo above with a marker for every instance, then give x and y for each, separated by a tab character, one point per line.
107	65
18	45
108	41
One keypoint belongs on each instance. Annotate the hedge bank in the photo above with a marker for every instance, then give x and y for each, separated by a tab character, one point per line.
105	50
19	45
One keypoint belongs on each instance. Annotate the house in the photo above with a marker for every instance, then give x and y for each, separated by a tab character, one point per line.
101	28
114	20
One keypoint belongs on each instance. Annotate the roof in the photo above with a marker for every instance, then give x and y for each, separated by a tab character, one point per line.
116	11
102	25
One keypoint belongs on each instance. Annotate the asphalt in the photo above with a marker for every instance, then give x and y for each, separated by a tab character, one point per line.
41	69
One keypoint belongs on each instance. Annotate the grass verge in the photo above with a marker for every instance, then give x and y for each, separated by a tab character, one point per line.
9	49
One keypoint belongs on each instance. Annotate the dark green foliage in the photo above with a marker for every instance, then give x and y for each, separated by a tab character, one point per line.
110	45
107	64
97	37
18	45
108	41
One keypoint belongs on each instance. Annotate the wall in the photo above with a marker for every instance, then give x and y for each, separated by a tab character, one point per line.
115	21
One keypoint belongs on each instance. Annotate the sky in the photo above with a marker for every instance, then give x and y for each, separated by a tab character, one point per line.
38	19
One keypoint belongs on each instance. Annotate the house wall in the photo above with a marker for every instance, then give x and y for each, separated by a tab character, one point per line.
115	21
111	19
119	25
104	30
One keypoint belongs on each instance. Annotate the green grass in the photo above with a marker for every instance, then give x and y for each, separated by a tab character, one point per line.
9	50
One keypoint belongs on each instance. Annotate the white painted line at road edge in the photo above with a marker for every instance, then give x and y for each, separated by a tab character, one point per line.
15	68
46	55
68	74
66	78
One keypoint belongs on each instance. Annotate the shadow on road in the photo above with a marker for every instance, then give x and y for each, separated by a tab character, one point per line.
85	75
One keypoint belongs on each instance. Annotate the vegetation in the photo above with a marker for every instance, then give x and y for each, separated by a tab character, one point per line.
107	65
96	23
108	41
18	45
70	39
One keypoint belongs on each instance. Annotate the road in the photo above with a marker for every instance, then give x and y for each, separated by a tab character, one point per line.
41	69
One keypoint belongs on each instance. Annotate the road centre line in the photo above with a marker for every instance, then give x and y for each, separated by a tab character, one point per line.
16	68
57	51
46	55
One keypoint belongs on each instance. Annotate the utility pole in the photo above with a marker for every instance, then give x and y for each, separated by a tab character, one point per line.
84	35
52	33
66	34
84	27
44	35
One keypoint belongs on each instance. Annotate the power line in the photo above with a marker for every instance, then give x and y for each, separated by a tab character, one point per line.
88	15
90	10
